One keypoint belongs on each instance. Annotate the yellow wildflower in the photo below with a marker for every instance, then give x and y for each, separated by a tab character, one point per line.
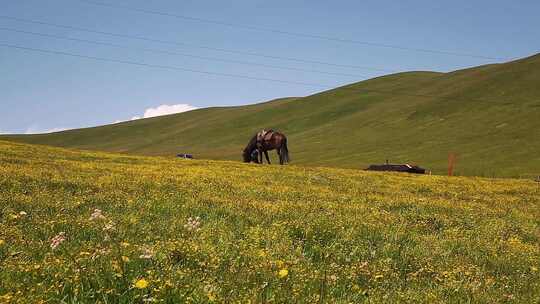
6	297
2	242
283	273
141	284
125	259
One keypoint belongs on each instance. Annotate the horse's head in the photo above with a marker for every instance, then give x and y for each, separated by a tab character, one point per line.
252	156
248	150
246	155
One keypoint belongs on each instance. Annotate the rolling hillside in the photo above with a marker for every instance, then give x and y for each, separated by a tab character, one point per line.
92	227
488	115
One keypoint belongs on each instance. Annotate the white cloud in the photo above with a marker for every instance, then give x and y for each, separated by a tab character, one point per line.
161	110
167	109
35	130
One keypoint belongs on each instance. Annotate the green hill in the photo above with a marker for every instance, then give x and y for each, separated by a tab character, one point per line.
89	227
489	116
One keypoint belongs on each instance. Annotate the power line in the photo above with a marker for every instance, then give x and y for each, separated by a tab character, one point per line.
176	53
288	33
168	42
167	67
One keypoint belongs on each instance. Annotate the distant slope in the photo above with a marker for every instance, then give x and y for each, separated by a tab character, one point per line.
488	115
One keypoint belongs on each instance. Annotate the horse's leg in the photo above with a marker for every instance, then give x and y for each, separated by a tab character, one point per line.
267	158
260	157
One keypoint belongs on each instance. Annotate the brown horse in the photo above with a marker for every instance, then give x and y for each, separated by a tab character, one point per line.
272	140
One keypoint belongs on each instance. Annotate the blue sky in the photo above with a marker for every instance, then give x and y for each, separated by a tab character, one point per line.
40	92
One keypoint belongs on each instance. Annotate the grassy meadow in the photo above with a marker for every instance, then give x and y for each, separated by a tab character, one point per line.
487	115
81	227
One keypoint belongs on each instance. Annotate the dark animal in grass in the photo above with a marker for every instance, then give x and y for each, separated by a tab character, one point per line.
182	155
265	141
397	168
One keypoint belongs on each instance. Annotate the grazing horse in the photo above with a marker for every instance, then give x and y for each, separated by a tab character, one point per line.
265	141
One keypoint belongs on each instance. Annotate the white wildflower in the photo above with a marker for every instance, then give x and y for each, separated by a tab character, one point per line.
148	299
109	226
147	253
193	224
57	240
100	252
97	215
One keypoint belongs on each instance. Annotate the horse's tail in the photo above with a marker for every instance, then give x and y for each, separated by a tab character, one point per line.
284	151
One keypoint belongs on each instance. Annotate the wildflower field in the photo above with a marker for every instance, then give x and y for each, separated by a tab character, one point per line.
81	227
